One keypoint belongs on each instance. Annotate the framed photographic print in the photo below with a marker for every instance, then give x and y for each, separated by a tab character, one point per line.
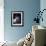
17	18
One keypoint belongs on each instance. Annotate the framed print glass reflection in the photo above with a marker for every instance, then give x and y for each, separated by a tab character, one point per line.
17	18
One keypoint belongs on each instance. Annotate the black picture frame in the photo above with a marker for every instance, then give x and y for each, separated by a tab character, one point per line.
17	18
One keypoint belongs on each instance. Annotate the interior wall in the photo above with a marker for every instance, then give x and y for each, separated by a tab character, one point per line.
1	20
30	7
42	7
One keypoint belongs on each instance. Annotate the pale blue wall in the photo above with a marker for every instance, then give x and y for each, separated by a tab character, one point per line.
43	6
30	7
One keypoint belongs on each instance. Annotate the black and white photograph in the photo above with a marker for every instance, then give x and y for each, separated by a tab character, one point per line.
17	18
